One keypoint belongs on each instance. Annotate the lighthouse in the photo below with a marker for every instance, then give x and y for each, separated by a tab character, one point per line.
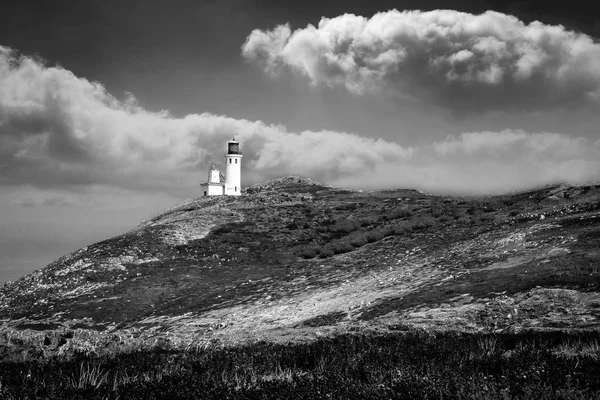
231	183
233	169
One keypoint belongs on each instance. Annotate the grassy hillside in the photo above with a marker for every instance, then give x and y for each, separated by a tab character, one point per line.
294	261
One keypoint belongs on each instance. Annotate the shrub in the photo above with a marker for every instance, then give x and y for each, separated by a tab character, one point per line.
337	247
464	220
400	228
358	239
490	208
458	213
368	221
436	212
308	251
379	233
326	252
444	218
424	222
397	213
472	210
345	226
487	218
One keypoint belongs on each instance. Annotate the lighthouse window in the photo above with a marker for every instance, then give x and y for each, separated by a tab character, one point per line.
236	160
230	161
235	189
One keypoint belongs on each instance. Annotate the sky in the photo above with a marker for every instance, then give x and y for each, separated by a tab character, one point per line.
112	111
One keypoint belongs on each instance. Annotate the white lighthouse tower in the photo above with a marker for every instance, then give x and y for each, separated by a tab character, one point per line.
233	169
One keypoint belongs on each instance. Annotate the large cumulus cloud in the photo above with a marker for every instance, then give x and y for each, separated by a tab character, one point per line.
462	61
57	129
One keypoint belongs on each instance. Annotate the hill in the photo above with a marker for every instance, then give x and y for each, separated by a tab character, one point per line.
293	260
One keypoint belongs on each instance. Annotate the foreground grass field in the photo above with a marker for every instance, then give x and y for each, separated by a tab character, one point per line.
402	365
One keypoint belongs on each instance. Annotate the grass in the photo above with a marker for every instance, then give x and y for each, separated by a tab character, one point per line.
285	243
411	364
90	375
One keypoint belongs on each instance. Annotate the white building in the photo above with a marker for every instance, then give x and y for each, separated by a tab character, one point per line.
231	183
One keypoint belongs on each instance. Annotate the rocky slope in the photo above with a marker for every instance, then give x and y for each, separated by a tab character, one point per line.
294	260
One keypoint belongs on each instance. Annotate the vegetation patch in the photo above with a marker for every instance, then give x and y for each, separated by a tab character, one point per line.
400	365
325	319
37	326
293	259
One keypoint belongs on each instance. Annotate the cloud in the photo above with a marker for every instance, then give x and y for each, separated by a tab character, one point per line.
465	62
64	134
516	159
488	163
515	144
58	130
45	202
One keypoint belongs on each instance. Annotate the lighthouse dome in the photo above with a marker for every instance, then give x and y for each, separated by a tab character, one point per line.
233	147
